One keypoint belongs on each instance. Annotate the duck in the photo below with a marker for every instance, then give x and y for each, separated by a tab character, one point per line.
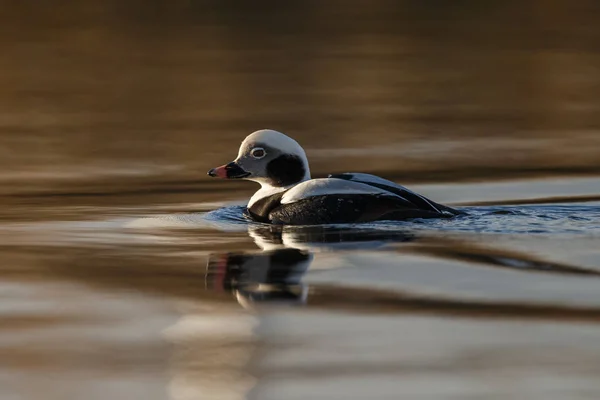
289	196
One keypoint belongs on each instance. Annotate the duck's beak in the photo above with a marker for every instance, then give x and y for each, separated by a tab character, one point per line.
229	171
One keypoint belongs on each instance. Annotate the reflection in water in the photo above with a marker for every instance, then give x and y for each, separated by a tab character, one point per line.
498	258
272	276
275	274
214	339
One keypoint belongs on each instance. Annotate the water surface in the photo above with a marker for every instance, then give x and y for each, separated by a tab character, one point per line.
127	273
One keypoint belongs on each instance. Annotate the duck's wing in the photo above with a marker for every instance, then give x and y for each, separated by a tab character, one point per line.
333	201
419	201
333	186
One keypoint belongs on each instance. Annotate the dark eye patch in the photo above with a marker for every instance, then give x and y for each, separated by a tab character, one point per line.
285	170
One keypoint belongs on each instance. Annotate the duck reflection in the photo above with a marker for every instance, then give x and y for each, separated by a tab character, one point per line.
274	273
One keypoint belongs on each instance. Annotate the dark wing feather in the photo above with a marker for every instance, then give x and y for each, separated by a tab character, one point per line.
420	202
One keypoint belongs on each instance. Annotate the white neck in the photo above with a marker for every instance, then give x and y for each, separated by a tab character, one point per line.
268	190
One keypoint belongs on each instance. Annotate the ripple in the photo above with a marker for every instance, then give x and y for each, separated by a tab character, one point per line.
533	219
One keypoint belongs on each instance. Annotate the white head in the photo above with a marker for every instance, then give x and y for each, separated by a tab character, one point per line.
270	158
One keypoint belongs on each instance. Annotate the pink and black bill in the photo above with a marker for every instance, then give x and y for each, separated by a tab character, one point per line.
229	171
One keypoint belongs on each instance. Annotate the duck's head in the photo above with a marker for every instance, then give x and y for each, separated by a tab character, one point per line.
269	158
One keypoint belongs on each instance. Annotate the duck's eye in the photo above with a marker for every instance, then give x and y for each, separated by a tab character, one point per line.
258	152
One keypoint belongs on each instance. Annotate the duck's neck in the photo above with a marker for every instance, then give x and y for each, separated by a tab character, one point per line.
267	189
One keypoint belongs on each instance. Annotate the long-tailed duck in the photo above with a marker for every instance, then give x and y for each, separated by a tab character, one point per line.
289	196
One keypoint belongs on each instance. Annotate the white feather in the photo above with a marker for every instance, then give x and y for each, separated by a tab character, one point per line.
275	139
372	179
329	186
265	191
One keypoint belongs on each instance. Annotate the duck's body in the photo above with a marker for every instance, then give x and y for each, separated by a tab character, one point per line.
344	198
289	196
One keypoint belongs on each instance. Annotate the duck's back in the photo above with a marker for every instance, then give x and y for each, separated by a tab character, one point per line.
418	200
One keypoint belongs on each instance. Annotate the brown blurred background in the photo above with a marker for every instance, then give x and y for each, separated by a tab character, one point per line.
121	93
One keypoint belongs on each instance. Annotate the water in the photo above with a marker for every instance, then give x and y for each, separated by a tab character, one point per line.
127	273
